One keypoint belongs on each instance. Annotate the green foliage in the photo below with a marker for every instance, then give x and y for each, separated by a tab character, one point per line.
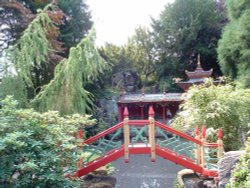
116	56
241	173
66	93
117	59
37	150
237	8
13	85
234	49
222	106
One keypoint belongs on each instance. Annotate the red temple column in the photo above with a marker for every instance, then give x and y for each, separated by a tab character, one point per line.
164	114
120	115
142	112
173	109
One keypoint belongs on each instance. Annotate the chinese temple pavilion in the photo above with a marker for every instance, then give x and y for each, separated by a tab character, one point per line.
195	78
165	105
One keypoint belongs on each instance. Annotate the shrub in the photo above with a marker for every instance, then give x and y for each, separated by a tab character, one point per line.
222	106
38	149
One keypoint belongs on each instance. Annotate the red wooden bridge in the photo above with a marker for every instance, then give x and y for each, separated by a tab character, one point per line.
153	138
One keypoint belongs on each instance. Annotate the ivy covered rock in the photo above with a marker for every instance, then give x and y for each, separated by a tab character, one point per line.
226	166
241	173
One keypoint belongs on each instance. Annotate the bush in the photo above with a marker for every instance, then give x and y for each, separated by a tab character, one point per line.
222	106
37	150
241	174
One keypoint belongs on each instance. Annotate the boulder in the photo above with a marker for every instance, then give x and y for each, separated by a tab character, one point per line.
187	178
98	181
226	165
118	80
108	111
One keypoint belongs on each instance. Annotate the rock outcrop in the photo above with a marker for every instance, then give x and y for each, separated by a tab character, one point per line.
128	80
226	165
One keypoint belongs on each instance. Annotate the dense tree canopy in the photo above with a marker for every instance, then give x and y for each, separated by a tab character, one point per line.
187	28
78	23
234	46
141	53
116	56
137	55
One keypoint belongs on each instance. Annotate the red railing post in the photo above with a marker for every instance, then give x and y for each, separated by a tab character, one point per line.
203	140
126	134
151	114
78	135
198	150
220	143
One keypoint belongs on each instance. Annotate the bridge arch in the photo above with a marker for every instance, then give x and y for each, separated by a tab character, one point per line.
153	138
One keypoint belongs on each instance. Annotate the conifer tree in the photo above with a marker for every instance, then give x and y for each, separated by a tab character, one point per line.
28	53
33	47
234	46
66	92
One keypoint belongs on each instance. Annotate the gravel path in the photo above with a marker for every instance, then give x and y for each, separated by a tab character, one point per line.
140	172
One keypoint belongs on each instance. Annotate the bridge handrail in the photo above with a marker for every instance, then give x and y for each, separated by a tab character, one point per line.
143	122
138	122
190	138
210	145
169	129
104	133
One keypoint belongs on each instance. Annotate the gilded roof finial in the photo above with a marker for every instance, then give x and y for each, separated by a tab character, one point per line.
164	86
199	62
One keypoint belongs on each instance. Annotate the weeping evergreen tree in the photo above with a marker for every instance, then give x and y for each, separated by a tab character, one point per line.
29	52
66	92
33	47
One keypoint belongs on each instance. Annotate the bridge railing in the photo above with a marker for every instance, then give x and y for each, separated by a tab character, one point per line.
195	150
208	154
149	136
177	142
102	143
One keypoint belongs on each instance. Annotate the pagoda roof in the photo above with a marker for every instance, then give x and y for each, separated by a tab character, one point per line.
193	80
149	98
199	72
185	85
